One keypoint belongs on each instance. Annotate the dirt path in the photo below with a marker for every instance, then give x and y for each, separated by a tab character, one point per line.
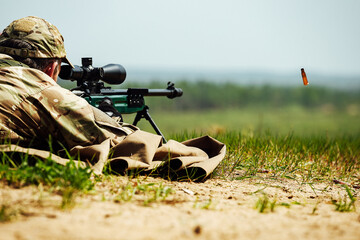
216	209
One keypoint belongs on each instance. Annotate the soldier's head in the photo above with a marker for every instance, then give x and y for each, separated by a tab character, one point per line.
35	42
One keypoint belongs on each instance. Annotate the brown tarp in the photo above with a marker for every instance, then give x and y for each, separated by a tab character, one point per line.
128	148
193	159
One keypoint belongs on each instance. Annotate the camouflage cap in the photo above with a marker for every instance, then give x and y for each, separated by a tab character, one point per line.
45	38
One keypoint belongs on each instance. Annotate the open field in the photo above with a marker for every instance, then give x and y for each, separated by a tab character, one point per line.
290	172
212	108
256	120
267	187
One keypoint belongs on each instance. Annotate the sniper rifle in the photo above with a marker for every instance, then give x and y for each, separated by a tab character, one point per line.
91	86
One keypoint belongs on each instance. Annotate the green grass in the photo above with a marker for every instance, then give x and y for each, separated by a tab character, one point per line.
302	158
150	192
68	180
265	204
48	173
292	142
250	121
347	203
7	213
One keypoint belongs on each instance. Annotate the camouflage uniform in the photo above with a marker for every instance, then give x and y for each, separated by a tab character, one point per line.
33	106
34	109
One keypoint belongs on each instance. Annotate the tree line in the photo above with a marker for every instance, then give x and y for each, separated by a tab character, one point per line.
203	95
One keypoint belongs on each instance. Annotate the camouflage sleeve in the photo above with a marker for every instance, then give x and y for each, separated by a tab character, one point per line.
33	107
66	117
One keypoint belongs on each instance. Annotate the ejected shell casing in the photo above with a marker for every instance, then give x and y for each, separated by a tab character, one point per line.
303	74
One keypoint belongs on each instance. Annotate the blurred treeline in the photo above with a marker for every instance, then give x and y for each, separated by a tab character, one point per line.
203	95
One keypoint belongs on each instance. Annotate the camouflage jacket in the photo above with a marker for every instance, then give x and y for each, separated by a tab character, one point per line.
33	107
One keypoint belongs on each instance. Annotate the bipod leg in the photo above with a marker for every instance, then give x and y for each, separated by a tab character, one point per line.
138	117
145	114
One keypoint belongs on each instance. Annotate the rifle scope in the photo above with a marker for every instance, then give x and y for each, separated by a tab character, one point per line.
111	73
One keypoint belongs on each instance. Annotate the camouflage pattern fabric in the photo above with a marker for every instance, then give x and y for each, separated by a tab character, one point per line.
44	37
35	110
33	105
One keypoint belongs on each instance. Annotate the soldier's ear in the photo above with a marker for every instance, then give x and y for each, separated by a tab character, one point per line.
51	70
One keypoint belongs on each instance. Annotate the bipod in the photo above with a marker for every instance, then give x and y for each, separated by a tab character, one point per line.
145	114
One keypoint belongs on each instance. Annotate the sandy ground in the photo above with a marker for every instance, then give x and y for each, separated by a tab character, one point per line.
215	209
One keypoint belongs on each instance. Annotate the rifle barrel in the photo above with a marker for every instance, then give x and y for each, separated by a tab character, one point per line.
170	93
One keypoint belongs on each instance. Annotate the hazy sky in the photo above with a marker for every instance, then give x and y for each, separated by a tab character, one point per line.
272	35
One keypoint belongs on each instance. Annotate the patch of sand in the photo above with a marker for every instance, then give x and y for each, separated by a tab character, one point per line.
215	209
